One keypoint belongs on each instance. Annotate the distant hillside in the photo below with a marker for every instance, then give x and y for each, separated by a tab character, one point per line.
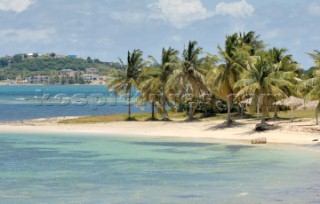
24	65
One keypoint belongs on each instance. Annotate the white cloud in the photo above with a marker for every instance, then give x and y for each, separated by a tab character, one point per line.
314	9
24	35
15	5
179	13
236	9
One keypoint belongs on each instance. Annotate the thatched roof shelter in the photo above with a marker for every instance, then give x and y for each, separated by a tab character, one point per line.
291	102
311	105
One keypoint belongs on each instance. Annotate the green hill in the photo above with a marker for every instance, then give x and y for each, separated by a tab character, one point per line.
25	65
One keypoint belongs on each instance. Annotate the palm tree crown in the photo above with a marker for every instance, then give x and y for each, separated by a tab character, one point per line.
265	83
127	78
311	87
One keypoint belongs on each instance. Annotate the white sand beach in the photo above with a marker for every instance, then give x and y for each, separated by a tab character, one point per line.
297	133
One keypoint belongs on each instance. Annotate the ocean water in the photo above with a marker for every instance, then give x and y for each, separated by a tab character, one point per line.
95	169
30	102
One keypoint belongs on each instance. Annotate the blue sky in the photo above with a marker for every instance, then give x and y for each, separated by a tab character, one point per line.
107	29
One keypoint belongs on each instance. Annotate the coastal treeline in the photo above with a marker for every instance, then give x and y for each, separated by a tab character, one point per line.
28	65
193	80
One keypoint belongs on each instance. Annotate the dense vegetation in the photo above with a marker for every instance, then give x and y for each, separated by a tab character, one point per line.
25	65
199	81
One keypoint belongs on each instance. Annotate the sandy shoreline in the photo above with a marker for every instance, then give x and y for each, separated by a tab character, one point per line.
296	133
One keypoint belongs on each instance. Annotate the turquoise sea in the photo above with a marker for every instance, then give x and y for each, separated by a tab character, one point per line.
30	102
94	169
42	168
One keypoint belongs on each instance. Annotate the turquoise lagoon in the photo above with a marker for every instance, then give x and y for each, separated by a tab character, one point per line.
111	169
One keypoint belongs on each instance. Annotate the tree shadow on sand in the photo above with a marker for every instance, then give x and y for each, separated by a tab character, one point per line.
225	125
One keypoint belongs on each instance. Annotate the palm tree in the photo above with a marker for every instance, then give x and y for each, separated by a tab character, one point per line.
263	82
222	78
284	63
169	61
153	80
252	40
190	76
127	78
312	86
149	87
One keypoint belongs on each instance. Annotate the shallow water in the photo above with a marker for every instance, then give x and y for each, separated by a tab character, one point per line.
30	102
93	169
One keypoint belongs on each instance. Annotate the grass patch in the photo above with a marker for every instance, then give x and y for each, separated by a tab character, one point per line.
121	117
297	114
105	118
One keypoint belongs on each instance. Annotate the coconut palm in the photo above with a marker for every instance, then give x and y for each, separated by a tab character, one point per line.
125	79
264	83
154	79
190	76
149	88
222	78
312	86
316	57
252	40
284	63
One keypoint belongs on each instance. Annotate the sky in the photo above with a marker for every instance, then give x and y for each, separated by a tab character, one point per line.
107	29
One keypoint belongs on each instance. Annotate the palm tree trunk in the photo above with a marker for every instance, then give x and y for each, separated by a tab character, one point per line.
317	113
229	120
152	110
265	110
164	112
263	113
229	110
276	112
240	112
129	105
190	117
